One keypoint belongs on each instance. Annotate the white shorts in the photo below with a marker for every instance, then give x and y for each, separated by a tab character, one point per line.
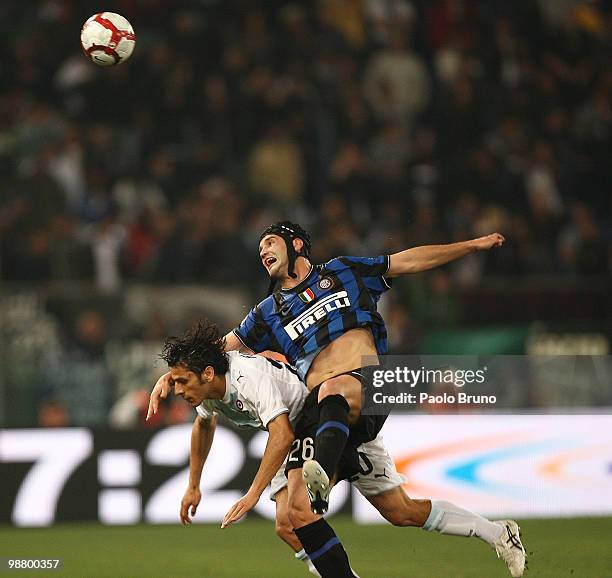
379	473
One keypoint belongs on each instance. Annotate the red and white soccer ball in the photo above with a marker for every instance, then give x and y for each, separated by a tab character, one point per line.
107	38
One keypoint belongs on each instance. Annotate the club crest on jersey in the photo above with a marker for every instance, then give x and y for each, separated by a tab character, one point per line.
325	283
315	312
307	296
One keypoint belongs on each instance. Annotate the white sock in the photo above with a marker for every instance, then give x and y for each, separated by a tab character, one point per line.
301	555
446	518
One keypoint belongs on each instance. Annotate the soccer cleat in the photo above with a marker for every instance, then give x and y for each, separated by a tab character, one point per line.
317	484
510	548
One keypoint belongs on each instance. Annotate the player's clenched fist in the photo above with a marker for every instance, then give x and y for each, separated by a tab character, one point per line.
189	504
488	242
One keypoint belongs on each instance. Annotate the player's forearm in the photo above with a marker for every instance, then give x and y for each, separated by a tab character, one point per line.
202	435
427	257
275	453
232	343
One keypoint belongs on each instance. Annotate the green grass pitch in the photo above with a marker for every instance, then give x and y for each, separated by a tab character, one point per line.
576	548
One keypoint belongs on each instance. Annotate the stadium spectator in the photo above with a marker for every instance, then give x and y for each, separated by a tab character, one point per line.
396	81
52	413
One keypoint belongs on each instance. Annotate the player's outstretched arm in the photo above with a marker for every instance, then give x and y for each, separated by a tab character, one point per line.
427	257
280	439
202	435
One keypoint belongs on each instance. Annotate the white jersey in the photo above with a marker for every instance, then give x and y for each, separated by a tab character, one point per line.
257	390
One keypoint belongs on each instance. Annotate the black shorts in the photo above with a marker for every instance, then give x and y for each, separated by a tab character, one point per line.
366	429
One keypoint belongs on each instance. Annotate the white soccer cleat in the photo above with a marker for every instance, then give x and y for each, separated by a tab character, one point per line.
317	484
510	548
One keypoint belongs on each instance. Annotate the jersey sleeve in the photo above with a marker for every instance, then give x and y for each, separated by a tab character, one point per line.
205	412
372	270
254	332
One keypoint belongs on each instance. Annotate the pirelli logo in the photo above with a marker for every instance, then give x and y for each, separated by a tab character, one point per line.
315	312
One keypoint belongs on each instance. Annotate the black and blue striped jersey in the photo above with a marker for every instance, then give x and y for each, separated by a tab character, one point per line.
335	297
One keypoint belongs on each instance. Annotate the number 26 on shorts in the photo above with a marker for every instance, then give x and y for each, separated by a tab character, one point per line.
307	447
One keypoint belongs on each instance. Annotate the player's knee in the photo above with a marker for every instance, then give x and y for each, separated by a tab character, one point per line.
329	387
351	392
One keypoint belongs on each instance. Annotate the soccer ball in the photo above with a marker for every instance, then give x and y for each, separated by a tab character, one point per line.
107	38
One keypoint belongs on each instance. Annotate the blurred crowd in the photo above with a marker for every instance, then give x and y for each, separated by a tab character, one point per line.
379	124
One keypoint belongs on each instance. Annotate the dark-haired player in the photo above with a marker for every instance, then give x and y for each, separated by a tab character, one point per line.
324	320
257	392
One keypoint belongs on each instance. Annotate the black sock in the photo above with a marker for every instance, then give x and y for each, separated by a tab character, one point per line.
332	432
325	550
